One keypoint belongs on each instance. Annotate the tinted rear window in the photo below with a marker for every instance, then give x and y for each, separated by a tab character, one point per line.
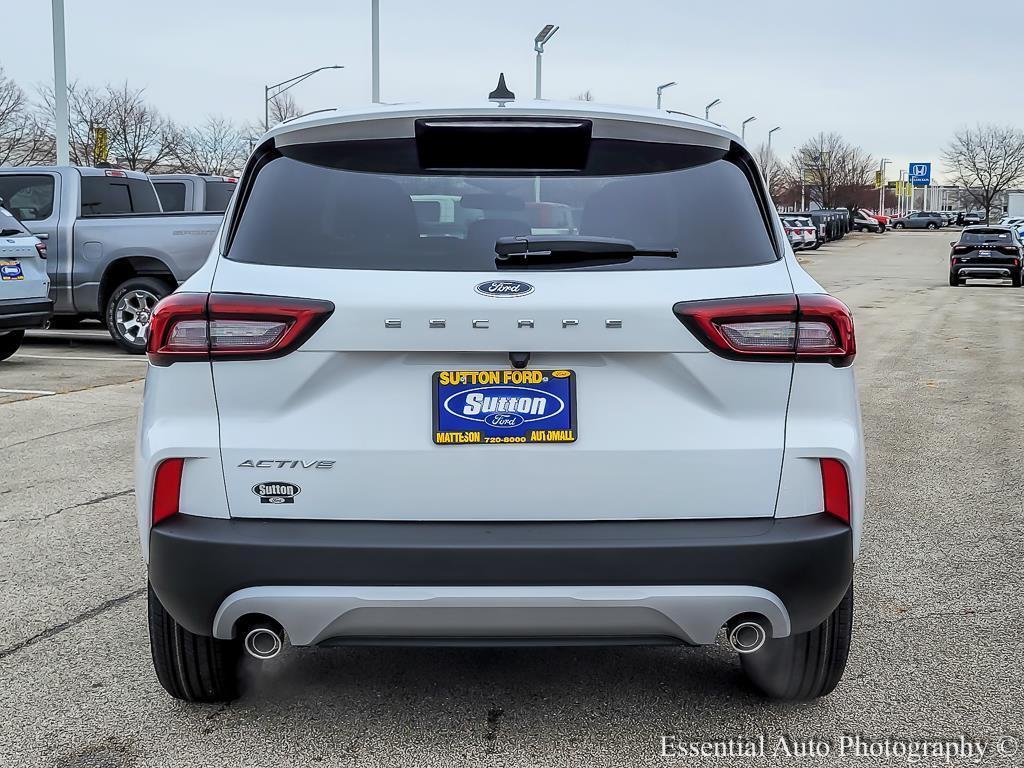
313	209
996	236
218	194
171	194
28	196
117	194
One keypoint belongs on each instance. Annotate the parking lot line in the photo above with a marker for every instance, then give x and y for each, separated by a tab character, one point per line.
26	392
71	357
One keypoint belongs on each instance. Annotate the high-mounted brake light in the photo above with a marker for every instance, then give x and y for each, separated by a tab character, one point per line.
835	486
167	489
118	174
784	327
230	326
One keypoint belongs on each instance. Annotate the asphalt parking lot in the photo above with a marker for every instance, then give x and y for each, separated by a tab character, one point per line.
939	587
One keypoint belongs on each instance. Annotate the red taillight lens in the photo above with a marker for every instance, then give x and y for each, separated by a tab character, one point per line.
1012	250
962	248
167	489
810	327
229	326
41	250
835	486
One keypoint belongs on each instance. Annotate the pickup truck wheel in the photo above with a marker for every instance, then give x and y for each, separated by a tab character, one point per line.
808	665
191	667
9	343
129	310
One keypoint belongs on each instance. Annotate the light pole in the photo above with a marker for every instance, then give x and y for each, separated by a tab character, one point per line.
743	127
881	183
661	88
773	130
291	82
538	45
62	115
707	109
375	51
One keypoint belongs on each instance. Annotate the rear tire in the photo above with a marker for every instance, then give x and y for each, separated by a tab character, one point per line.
932	225
954	280
9	343
1015	281
191	667
129	309
808	665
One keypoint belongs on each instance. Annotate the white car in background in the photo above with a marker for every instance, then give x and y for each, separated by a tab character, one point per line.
24	286
355	431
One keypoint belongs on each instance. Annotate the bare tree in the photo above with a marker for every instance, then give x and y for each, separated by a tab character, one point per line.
89	110
587	95
283	107
23	137
837	173
218	146
138	135
986	160
776	173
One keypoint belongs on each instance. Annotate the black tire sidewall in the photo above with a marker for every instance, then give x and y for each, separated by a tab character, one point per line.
10	341
155	286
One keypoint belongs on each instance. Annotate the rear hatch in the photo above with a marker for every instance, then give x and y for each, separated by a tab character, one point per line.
22	268
987	247
451	383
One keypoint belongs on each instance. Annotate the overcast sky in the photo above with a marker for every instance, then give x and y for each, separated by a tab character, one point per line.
895	77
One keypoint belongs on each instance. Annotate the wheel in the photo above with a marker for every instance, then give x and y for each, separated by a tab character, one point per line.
9	343
816	246
191	667
808	665
1015	281
898	225
129	309
953	279
932	225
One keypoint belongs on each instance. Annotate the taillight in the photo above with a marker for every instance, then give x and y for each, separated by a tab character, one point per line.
962	248
809	327
167	489
835	485
231	326
41	249
1012	250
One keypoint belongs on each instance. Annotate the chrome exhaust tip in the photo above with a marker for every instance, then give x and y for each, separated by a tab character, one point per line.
263	642
747	635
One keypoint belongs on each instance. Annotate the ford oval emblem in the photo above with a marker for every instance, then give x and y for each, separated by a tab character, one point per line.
504	288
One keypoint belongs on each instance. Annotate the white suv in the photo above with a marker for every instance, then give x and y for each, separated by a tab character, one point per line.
360	429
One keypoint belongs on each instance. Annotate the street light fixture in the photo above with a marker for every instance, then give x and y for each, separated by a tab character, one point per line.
743	127
707	109
773	130
538	45
661	88
291	82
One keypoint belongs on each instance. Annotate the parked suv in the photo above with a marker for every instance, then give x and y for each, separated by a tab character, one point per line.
919	220
358	432
986	252
24	287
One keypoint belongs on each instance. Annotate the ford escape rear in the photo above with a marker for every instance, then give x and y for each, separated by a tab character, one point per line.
397	405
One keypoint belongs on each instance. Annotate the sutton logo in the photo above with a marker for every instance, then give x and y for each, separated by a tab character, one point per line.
504	407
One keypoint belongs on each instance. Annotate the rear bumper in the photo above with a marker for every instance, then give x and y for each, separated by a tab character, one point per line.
990	270
695	574
17	314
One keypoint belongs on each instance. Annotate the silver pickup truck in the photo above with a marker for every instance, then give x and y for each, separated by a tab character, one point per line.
193	191
112	252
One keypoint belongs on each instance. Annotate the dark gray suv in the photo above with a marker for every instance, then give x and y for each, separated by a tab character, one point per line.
919	220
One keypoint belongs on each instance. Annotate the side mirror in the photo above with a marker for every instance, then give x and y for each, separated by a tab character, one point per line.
952	242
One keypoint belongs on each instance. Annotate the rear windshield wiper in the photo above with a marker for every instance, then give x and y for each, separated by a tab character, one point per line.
553	250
